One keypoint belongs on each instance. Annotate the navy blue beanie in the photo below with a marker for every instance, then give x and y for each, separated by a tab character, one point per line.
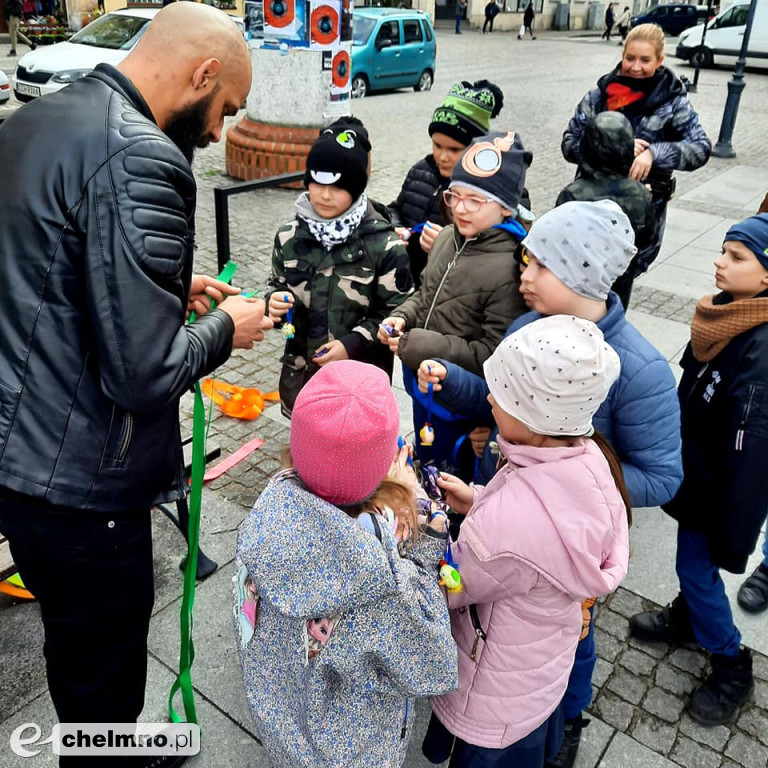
753	232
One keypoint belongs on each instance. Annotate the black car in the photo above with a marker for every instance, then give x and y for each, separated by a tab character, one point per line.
673	18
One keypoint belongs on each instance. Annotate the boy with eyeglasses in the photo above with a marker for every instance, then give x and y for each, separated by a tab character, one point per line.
470	288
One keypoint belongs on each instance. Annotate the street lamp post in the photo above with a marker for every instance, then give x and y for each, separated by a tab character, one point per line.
724	147
694	86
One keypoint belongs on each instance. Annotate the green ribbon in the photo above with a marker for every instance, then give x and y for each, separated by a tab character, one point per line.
187	650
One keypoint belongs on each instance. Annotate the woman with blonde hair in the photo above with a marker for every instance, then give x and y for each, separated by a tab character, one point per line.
668	134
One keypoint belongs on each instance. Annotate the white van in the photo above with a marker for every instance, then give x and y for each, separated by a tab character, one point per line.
725	34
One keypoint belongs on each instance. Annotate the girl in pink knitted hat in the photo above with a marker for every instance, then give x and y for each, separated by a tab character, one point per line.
337	632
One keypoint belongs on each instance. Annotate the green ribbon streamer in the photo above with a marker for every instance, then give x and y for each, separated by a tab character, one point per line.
187	650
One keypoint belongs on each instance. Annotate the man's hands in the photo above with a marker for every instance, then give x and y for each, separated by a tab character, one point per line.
203	289
248	317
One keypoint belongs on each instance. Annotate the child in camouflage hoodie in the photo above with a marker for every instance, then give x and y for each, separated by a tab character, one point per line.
337	632
338	267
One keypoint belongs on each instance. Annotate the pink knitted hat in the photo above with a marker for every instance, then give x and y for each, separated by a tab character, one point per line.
344	429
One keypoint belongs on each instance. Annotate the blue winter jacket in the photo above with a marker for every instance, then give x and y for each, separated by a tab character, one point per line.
640	418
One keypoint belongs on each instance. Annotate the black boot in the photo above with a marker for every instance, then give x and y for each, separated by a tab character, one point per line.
729	685
672	624
753	594
566	757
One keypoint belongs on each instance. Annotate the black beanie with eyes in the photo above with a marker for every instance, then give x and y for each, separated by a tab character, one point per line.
339	157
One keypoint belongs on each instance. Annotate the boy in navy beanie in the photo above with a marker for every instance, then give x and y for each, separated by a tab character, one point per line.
470	289
721	505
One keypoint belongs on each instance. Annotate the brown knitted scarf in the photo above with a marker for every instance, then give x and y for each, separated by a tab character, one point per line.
714	325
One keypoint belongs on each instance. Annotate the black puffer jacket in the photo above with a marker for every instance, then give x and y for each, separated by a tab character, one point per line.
420	200
607	153
724	407
96	232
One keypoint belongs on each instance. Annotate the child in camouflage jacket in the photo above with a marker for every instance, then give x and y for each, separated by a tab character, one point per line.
338	267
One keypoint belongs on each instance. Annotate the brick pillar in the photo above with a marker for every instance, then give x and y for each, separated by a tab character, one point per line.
259	150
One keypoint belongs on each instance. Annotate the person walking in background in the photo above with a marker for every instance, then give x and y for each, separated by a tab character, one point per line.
461	7
15	16
529	18
721	505
491	11
624	24
610	17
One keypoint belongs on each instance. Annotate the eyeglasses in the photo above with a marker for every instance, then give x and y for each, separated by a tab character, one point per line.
471	204
525	256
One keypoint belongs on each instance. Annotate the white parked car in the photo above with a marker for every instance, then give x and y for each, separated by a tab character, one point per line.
5	88
107	40
725	34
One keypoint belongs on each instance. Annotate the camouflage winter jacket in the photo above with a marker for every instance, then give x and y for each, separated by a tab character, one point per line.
343	293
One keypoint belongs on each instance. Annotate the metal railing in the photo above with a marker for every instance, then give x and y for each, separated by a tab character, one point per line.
221	197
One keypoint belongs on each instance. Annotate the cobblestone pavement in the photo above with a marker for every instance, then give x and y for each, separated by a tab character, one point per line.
640	690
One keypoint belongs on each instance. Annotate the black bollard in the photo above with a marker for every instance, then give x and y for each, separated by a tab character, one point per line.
724	147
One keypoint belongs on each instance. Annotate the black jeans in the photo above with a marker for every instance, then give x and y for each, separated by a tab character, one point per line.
92	575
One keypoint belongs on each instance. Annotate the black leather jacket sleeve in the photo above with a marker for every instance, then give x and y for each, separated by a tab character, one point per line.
136	218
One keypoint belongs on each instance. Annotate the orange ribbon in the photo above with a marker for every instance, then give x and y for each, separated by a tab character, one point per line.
238	402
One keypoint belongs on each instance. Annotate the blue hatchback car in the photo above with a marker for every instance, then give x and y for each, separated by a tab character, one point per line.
391	48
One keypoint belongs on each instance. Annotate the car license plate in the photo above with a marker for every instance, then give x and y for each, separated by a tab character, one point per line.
30	90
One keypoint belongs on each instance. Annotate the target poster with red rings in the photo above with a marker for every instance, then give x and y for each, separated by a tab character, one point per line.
337	51
281	21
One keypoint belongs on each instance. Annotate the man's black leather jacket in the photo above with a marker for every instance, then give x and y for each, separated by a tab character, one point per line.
96	233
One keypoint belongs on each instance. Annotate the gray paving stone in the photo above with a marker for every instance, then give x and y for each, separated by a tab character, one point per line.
747	752
608	647
594	740
625	752
628	686
692	662
615	712
712	737
626	603
755	722
657	650
674	681
761	694
692	755
760	666
603	670
614	624
663	705
638	662
654	734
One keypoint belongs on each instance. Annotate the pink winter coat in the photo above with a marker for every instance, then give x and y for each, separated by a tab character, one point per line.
549	531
